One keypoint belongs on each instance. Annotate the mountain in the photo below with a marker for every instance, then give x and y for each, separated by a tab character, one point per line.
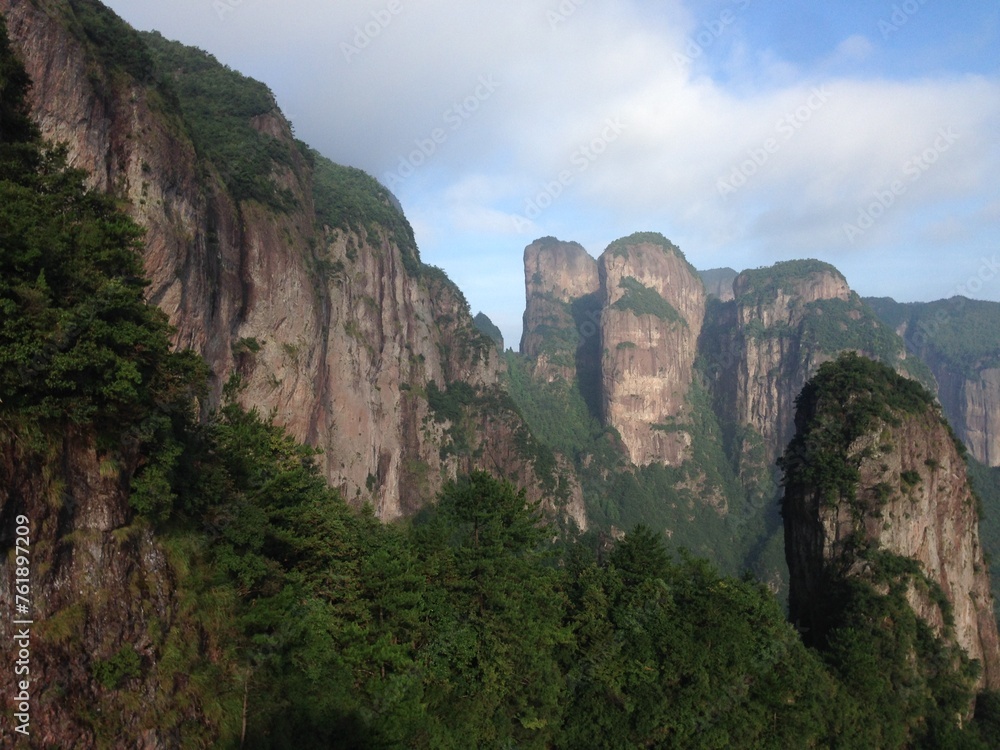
298	274
487	327
653	305
684	381
719	282
783	323
196	574
877	505
959	339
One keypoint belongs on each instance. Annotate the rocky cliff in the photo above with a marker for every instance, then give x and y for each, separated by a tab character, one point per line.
561	316
980	415
775	362
784	322
270	261
653	306
875	481
102	599
959	339
759	342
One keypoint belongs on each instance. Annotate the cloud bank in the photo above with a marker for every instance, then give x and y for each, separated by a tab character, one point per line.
495	124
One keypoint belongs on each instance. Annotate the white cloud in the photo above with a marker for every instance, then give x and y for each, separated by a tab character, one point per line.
856	48
557	87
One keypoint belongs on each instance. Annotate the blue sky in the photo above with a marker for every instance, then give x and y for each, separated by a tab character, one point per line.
866	134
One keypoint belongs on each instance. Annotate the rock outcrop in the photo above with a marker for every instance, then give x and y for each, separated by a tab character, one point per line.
98	580
785	321
775	361
653	306
874	474
980	414
759	343
332	321
561	316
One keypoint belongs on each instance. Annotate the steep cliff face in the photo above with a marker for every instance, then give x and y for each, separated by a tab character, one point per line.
872	478
980	417
971	399
775	362
273	272
99	580
959	339
561	283
785	322
653	306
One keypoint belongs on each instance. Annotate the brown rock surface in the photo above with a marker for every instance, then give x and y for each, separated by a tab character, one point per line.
343	355
972	402
913	500
771	369
648	357
97	581
556	276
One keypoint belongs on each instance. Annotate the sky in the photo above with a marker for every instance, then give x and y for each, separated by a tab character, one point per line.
862	133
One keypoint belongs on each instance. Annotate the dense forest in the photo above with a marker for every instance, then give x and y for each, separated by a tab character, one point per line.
302	622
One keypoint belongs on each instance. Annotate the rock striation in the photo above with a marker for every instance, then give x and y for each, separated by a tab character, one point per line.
653	306
331	321
980	414
561	317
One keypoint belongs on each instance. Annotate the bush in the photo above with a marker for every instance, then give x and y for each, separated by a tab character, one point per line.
124	665
643	300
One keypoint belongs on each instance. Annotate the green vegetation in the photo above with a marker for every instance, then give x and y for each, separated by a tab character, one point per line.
643	300
986	482
762	285
111	673
486	326
117	46
845	400
965	333
219	106
835	325
78	344
349	199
